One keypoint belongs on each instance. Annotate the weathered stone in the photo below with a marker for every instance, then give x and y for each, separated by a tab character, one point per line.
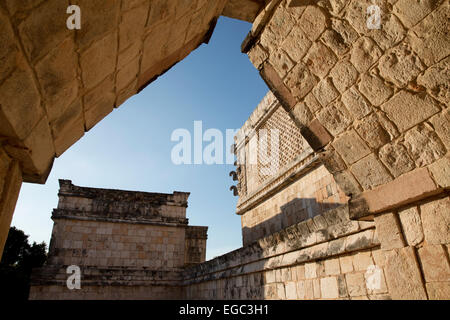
355	284
291	290
127	74
332	267
97	19
435	79
400	66
44	29
356	13
340	37
329	288
302	113
300	80
441	126
389	231
396	158
351	147
403	275
424	145
258	55
20	108
372	131
296	44
8	47
359	241
362	260
391	33
356	103
343	75
281	23
435	265
312	22
438	290
429	40
281	62
411	225
441	171
55	72
99	102
347	183
132	25
325	92
364	54
375	89
68	128
410	13
370	172
436	221
346	263
99	60
320	59
406	109
335	118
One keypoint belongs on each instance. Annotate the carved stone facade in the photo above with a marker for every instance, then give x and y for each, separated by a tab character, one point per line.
370	105
128	245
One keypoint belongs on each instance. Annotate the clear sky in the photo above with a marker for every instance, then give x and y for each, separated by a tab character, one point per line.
131	148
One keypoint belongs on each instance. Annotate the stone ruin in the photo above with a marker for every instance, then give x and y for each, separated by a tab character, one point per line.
359	206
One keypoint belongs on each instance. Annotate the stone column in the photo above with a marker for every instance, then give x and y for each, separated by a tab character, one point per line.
10	183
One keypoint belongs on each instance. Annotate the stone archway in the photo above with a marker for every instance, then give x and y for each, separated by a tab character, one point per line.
57	83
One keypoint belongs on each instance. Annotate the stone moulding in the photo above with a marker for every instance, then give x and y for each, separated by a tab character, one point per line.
307	241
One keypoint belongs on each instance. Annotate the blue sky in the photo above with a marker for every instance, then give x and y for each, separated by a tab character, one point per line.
131	148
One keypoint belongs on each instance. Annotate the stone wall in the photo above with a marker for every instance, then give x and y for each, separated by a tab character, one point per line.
128	245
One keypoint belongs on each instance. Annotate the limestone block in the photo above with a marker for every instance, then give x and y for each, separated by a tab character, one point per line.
309	290
301	290
316	288
8	47
428	39
347	182
390	34
302	113
291	290
310	270
410	13
351	147
296	44
343	75
329	288
441	171
332	267
355	284
371	130
370	172
411	225
435	79
356	103
99	17
438	290
36	152
400	66
99	102
359	241
396	158
43	30
364	54
68	128
312	22
440	124
389	232
300	80
20	108
434	262
281	22
362	260
281	62
340	37
403	275
406	109
325	92
258	55
346	263
127	74
320	59
424	145
375	89
99	60
132	25
436	221
335	118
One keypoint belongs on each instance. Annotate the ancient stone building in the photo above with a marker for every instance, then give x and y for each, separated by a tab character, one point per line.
370	102
128	245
